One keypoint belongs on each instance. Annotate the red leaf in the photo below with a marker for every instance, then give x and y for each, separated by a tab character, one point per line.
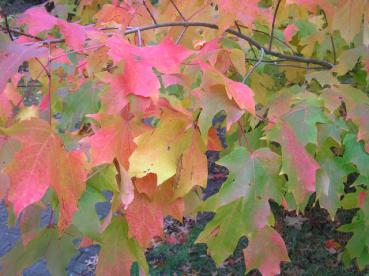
74	34
37	20
265	252
42	163
113	140
298	164
289	32
145	219
12	56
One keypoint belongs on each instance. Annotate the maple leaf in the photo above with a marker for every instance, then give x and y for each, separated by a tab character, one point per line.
165	57
170	140
301	182
252	175
113	14
239	92
258	252
41	163
348	18
12	55
49	245
211	102
118	251
86	219
164	195
231	10
230	223
113	140
74	34
145	219
289	32
329	182
192	167
303	118
37	20
356	103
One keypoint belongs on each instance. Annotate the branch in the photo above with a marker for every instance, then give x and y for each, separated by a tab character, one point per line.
331	37
254	66
253	42
273	25
151	15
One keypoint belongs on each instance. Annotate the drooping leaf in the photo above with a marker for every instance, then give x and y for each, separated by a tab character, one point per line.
170	143
231	222
265	252
57	250
12	55
113	140
118	251
254	175
85	218
329	180
298	164
192	167
211	102
145	219
41	163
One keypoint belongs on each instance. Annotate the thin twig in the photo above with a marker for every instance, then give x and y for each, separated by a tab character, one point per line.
19	33
273	25
240	31
139	39
49	86
179	12
255	65
276	38
332	43
181	35
267	34
183	18
151	15
43	67
240	127
7	27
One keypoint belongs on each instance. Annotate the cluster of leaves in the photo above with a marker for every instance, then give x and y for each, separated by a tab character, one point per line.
120	96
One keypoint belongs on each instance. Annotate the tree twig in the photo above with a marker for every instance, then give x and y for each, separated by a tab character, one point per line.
262	52
150	13
331	37
179	12
7	27
273	25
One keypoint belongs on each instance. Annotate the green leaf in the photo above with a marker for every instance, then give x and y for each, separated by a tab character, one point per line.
354	153
118	251
230	223
86	219
254	175
103	178
57	250
77	105
304	117
330	177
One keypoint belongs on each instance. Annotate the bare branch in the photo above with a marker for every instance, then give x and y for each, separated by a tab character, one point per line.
179	12
273	25
332	43
262	52
150	13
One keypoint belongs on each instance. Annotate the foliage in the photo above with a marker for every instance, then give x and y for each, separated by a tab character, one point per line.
120	96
